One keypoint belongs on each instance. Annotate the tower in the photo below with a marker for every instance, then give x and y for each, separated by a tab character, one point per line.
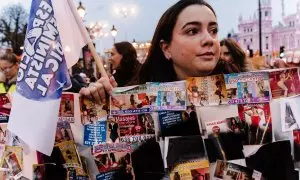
266	10
282	9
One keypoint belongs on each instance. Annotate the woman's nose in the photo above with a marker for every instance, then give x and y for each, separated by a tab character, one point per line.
207	39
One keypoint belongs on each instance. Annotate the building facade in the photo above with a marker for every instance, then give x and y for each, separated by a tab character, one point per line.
286	33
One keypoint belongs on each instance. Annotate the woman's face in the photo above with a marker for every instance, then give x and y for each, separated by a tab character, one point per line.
116	58
194	48
225	54
10	70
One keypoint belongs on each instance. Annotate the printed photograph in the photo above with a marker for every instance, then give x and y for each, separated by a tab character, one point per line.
178	123
38	172
113	130
285	83
196	170
134	127
4	134
296	135
257	123
91	111
251	87
115	161
63	132
66	109
207	91
167	96
5	107
130	103
290	117
18	151
69	153
136	124
13	164
230	171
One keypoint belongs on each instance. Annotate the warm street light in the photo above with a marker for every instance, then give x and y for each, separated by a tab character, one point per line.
81	10
125	11
142	49
114	32
96	30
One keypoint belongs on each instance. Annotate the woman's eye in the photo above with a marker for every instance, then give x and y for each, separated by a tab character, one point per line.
192	31
214	30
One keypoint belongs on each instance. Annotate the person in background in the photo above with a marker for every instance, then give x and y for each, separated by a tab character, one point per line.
233	58
9	65
124	62
78	82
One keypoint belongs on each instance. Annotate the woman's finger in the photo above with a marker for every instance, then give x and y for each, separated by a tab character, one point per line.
101	91
107	85
113	82
85	92
94	92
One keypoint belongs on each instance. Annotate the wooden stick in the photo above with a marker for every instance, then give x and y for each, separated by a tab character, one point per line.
87	38
266	128
97	60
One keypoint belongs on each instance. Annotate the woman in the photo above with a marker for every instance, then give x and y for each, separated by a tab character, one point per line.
185	44
114	130
124	62
281	83
233	58
9	65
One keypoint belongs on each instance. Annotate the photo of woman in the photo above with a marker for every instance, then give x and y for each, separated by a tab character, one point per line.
113	130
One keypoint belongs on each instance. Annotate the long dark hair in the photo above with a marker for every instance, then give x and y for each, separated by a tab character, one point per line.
156	67
129	65
237	53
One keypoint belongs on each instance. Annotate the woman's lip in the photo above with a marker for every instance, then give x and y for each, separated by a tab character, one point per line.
208	57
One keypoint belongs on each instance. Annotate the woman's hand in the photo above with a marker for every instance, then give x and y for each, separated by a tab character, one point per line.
99	89
291	59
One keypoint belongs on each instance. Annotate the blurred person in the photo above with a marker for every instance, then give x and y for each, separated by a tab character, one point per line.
9	65
233	58
78	82
124	62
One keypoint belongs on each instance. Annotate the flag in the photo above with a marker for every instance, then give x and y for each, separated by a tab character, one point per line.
52	44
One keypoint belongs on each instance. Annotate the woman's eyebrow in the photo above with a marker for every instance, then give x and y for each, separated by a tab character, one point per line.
213	23
197	23
192	23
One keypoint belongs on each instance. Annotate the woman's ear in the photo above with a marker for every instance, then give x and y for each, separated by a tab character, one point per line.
165	47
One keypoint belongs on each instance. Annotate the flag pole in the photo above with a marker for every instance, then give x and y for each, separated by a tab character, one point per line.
87	38
97	60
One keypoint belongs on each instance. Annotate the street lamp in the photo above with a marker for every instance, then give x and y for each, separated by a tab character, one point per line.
81	10
125	11
96	30
114	32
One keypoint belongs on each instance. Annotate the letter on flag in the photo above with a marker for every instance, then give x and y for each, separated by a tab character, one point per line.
52	45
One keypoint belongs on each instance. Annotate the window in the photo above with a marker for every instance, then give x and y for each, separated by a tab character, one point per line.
266	13
251	40
251	29
267	46
245	41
